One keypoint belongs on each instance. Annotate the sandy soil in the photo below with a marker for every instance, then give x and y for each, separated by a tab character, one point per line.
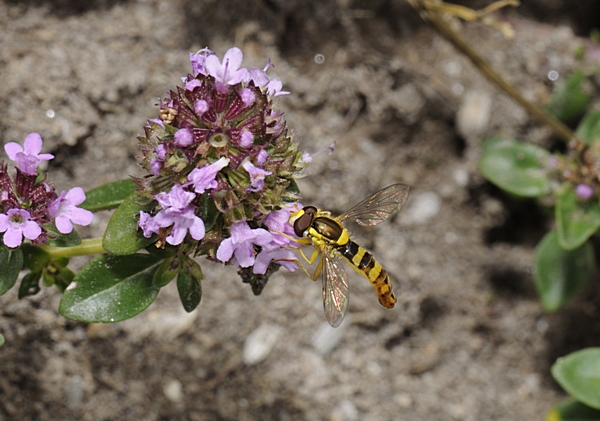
467	340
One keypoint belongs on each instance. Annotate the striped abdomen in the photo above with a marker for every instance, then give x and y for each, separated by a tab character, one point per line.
365	264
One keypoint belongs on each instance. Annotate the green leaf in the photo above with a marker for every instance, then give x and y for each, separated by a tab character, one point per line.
210	213
60	262
516	167
122	236
559	273
111	289
35	257
166	272
576	220
109	196
56	239
193	268
56	273
2	340
589	128
573	410
188	284
161	253
579	374
30	284
63	279
11	263
570	100
293	192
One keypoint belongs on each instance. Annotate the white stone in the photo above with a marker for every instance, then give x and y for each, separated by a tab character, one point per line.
260	343
424	207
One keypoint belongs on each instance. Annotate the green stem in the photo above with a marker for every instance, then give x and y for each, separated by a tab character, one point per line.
86	248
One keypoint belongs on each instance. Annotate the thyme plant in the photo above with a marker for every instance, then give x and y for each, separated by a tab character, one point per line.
221	168
568	184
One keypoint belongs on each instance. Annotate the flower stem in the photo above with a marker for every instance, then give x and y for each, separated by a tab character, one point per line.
86	248
434	16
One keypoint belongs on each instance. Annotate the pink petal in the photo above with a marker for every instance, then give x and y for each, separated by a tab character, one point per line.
177	235
244	254
63	224
4	222
12	149
225	250
81	216
197	230
45	156
262	237
75	196
213	67
33	144
13	238
31	230
235	57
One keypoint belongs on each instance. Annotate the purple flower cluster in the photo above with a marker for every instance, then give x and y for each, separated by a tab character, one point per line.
28	203
222	165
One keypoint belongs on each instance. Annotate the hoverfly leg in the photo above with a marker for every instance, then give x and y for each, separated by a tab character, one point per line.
310	261
319	268
301	241
296	261
313	256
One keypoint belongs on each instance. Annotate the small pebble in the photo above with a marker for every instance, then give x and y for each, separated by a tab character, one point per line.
474	114
326	338
260	343
344	411
423	208
174	391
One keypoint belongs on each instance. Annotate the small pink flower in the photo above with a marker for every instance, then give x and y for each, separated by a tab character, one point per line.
278	221
29	157
198	59
16	224
227	73
204	178
257	176
274	252
260	79
64	210
177	210
148	224
241	243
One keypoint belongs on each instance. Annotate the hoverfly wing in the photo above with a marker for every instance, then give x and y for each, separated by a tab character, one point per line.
335	290
378	207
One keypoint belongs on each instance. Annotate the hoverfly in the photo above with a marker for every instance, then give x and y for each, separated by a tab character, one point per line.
331	240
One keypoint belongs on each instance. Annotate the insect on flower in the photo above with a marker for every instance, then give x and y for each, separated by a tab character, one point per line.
222	166
331	240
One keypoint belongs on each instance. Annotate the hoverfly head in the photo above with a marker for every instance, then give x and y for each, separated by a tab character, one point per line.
303	219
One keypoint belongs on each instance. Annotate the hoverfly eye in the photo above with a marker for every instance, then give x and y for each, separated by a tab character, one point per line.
303	223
